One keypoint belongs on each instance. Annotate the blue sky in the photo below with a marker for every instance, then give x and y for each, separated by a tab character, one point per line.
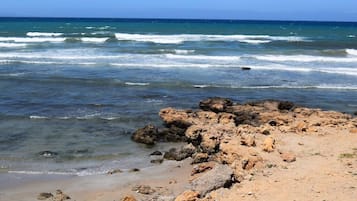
326	10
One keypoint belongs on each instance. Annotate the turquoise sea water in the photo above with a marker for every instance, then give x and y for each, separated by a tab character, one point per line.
79	87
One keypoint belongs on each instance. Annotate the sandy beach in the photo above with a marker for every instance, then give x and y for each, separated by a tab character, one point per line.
266	150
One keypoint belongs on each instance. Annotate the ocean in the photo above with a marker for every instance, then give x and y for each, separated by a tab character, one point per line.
73	90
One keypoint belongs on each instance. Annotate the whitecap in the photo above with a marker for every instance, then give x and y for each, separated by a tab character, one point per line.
137	83
352	52
38	117
303	58
12	45
180	38
31	39
37	34
201	86
93	40
184	51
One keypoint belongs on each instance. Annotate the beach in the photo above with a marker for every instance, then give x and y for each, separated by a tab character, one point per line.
309	153
75	90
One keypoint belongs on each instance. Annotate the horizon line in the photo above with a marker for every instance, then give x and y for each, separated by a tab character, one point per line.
176	19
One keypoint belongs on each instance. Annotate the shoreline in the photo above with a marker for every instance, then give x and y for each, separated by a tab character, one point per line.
250	151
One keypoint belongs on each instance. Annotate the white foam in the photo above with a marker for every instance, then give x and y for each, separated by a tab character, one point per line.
203	57
303	58
31	39
40	34
137	83
12	45
94	40
351	36
184	51
104	28
255	41
201	86
352	52
180	38
38	117
300	87
55	55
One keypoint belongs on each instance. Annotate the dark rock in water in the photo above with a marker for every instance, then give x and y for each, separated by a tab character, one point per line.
286	105
215	104
114	171
44	196
48	154
134	170
355	113
156	153
243	117
245	68
179	155
272	123
157	161
172	134
147	135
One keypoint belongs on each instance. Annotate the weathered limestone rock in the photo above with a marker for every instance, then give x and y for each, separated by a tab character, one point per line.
288	157
178	118
215	104
220	176
129	198
269	144
188	196
200	158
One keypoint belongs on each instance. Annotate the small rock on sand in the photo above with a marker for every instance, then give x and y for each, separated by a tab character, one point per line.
143	189
219	176
44	196
288	157
129	198
188	196
269	144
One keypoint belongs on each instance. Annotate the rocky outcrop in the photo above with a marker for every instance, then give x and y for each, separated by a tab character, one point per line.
238	137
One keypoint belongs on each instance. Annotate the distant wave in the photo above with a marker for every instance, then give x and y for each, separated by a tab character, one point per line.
203	57
94	40
137	83
38	117
54	55
31	39
352	52
12	45
337	87
304	58
184	51
37	34
180	38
